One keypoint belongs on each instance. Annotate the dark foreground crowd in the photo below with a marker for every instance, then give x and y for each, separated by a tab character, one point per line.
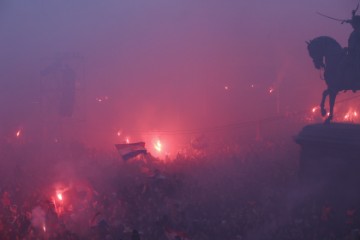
71	192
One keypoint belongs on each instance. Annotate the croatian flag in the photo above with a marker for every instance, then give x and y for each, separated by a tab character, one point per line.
130	150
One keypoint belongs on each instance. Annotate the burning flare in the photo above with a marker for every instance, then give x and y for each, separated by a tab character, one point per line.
59	196
158	146
351	115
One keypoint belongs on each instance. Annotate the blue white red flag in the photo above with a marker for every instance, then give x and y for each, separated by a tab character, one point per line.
130	150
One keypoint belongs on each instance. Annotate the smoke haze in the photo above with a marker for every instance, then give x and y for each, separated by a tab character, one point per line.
219	86
162	65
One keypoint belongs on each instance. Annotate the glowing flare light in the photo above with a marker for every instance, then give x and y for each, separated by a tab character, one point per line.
351	115
58	201
59	196
314	109
158	146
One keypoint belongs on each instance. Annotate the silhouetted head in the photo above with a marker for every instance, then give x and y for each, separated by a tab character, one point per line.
135	235
316	53
324	47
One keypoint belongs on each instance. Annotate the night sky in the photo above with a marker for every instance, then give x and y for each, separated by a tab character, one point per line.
167	66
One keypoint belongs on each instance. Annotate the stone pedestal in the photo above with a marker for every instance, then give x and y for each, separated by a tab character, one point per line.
330	160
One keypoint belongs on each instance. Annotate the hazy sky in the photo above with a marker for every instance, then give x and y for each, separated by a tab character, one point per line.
164	64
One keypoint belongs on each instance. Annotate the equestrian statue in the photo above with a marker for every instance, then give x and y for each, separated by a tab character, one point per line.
341	66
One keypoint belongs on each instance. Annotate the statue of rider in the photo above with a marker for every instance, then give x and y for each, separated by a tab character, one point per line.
353	50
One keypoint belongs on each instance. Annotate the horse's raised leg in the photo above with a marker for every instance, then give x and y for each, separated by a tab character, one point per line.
332	98
322	104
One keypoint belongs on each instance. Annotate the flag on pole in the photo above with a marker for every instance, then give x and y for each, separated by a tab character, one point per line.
130	150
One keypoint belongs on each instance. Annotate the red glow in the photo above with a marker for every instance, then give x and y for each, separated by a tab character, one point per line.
163	147
102	99
351	115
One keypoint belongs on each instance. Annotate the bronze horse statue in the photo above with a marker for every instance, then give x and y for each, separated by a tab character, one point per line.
340	73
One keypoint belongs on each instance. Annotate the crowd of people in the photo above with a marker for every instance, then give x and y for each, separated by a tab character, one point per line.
72	192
